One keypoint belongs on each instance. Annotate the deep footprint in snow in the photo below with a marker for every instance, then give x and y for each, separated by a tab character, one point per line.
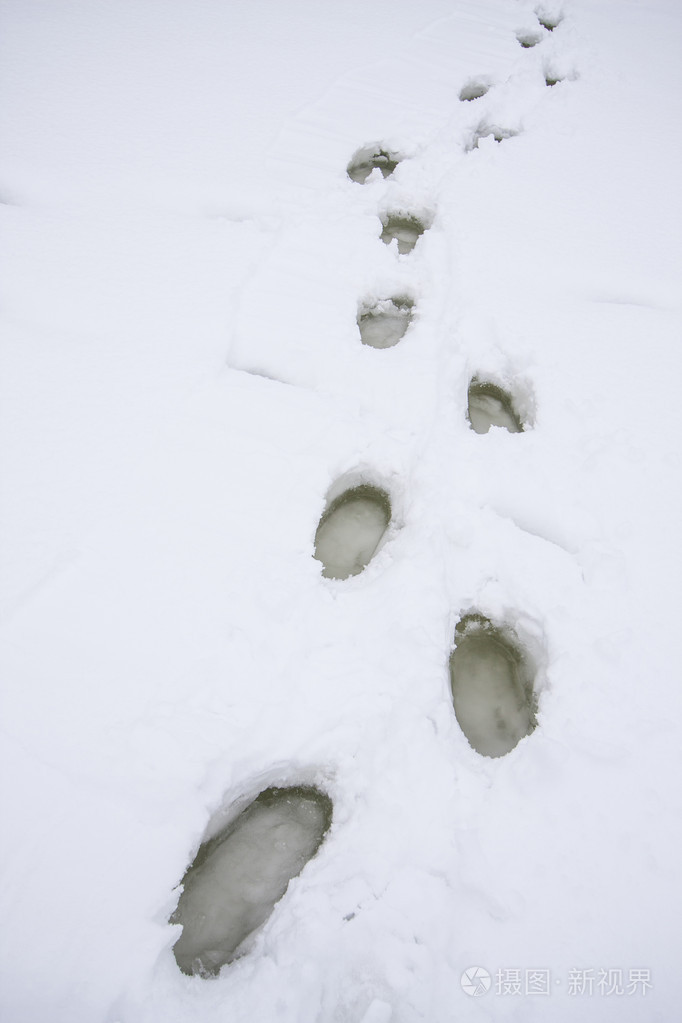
240	874
350	531
474	90
528	39
553	76
369	157
485	131
384	324
406	228
547	20
492	687
489	405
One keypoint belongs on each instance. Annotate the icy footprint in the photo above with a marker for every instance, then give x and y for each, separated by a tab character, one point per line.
490	406
350	531
369	158
404	227
492	689
384	324
239	875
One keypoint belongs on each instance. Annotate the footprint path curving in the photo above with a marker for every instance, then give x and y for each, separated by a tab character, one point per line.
493	705
240	873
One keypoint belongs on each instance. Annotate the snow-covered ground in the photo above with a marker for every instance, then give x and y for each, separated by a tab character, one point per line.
184	389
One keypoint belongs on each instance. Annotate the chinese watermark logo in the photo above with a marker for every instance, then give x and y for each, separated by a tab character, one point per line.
475	981
535	981
514	981
609	982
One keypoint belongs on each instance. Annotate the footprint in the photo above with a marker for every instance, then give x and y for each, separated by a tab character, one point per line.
485	131
548	20
529	38
383	324
490	405
474	89
240	874
369	157
492	687
406	228
350	531
556	73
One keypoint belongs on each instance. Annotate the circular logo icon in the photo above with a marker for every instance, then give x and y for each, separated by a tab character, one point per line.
475	981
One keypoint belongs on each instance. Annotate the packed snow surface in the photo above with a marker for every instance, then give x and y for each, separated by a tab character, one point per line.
186	391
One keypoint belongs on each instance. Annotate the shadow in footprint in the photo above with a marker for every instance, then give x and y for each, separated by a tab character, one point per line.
547	20
528	39
489	405
474	89
384	324
492	687
553	76
406	228
486	131
350	531
240	874
367	159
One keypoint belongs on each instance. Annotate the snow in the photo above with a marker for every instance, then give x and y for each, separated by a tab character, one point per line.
184	391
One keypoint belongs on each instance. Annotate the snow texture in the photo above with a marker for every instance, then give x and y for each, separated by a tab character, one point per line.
184	393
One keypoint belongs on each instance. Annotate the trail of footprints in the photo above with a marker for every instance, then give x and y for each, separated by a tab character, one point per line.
241	872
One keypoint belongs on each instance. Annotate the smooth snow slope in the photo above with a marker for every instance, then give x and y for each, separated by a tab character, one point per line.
183	382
